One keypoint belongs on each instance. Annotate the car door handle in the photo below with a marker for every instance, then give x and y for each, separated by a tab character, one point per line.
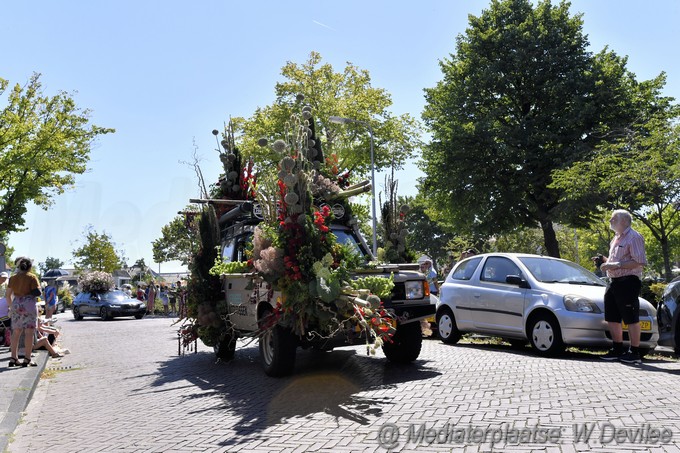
477	295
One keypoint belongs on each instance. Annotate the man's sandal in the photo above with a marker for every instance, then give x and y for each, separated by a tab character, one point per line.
28	362
13	362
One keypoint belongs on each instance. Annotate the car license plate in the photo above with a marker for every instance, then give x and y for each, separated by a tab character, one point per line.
644	325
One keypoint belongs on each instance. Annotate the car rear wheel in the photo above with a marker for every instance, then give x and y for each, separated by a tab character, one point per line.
446	326
226	347
405	345
277	349
104	314
76	314
545	335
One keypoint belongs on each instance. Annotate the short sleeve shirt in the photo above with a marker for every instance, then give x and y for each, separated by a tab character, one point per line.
22	284
627	246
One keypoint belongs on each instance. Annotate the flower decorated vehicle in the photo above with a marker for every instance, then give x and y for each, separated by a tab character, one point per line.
294	269
97	298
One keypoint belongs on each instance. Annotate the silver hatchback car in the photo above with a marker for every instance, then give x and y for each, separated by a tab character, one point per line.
551	303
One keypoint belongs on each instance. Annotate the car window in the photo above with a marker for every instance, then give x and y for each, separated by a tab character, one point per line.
235	249
497	268
228	251
114	296
466	269
549	270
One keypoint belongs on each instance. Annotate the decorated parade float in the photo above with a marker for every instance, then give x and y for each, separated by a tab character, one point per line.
281	261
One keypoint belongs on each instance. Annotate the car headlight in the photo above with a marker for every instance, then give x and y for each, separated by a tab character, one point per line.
414	289
581	304
114	306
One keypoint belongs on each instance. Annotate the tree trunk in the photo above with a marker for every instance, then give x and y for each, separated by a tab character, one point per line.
668	274
552	247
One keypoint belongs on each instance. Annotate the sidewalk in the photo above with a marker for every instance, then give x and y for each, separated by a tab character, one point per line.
16	389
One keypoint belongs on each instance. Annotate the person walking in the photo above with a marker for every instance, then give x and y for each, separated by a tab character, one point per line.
624	267
22	289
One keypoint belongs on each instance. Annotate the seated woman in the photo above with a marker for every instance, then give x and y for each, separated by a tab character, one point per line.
42	342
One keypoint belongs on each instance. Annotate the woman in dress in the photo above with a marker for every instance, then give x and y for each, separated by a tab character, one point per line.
22	289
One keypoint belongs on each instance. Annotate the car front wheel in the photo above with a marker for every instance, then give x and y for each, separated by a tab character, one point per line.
104	314
446	326
405	344
76	314
545	335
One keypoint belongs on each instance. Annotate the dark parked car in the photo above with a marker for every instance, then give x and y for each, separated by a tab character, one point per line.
107	305
669	316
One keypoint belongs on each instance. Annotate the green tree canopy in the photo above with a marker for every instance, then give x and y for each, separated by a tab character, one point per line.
44	142
520	98
346	94
50	263
426	235
98	253
177	242
638	171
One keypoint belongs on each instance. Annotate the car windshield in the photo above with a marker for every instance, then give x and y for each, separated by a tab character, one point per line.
548	270
114	296
346	237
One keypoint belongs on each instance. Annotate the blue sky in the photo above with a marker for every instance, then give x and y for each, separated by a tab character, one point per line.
164	74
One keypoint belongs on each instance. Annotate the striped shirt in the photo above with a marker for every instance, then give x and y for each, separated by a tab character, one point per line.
627	246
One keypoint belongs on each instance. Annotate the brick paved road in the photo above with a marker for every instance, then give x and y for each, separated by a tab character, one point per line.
127	390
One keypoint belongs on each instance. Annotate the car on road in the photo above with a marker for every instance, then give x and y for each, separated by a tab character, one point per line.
107	305
668	316
549	302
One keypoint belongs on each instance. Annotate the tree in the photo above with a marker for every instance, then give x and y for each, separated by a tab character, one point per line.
50	263
346	94
426	235
177	242
640	172
143	275
520	98
98	253
44	142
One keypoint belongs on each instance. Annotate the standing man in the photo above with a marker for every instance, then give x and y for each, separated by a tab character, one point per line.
430	275
624	266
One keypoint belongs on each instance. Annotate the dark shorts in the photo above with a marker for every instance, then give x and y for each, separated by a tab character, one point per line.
621	301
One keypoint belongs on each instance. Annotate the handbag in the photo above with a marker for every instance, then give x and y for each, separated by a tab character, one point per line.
35	292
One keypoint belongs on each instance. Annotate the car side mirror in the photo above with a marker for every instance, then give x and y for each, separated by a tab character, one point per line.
517	280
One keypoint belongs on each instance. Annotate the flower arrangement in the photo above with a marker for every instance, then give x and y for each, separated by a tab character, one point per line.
95	282
297	252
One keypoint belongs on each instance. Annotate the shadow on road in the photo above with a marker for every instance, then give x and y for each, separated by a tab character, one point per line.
329	382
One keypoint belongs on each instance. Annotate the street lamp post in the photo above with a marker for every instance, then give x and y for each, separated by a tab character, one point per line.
341	120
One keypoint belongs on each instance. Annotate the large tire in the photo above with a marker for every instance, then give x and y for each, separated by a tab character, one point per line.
104	314
76	314
277	350
446	326
545	335
405	345
226	347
